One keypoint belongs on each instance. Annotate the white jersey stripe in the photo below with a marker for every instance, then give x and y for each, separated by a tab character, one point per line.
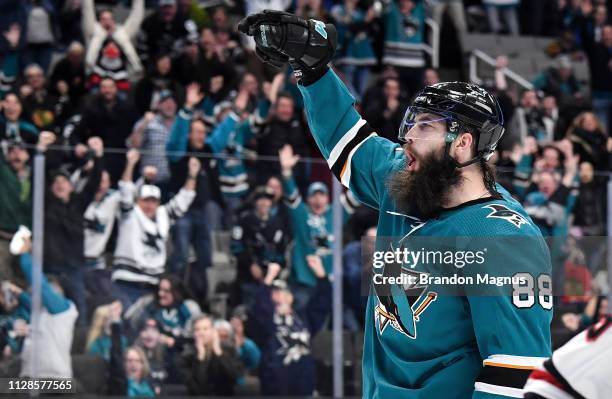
346	177
339	147
510	360
498	390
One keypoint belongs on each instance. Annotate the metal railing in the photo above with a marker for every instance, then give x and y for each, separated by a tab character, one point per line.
479	55
433	49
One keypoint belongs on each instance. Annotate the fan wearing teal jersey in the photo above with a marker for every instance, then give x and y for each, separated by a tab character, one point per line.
419	343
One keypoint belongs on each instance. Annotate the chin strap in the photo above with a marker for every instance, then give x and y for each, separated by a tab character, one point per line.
470	162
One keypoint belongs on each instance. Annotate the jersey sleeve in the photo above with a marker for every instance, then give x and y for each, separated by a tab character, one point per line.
296	207
512	343
357	156
219	137
512	322
51	300
180	203
179	135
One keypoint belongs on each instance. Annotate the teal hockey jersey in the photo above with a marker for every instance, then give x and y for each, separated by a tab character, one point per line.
437	346
404	36
312	234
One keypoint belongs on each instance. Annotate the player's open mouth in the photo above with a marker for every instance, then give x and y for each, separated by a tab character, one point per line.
412	162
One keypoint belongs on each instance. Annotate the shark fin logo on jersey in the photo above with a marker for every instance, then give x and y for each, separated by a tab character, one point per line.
502	212
151	241
94	225
400	306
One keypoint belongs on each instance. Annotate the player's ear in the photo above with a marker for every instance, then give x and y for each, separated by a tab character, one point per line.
463	146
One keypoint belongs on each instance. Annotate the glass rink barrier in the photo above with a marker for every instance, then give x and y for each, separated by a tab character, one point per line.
234	273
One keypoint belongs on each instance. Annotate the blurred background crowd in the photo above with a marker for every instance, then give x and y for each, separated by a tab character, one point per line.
188	231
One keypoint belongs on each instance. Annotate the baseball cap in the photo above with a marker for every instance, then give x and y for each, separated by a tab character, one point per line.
564	61
262	192
149	191
15	144
166	3
317	187
164	94
61	171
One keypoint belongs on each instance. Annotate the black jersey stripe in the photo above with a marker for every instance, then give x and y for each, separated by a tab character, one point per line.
504	376
341	163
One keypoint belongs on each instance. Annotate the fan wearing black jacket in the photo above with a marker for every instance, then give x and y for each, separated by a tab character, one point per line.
209	368
65	204
259	239
129	370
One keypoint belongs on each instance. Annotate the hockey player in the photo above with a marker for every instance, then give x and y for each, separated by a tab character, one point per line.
440	185
579	369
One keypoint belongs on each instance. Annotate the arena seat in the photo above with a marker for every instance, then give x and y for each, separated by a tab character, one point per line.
79	340
322	352
90	371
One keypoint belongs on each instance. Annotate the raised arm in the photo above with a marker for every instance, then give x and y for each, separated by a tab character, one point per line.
262	312
88	18
319	305
360	159
117	380
293	199
219	137
133	21
356	155
94	174
127	189
136	137
179	134
179	204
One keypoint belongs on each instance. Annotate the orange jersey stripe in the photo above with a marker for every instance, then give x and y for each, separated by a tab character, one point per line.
509	366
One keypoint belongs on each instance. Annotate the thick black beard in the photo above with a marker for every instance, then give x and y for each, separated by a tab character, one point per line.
423	192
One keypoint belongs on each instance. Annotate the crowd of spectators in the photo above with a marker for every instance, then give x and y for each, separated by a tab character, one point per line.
162	130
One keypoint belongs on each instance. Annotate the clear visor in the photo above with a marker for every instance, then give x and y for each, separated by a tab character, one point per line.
422	124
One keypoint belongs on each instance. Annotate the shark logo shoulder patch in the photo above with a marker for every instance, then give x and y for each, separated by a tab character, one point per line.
502	212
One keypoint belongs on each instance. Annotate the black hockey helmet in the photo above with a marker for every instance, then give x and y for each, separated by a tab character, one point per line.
464	106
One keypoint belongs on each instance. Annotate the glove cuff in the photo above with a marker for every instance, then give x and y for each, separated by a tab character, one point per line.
311	77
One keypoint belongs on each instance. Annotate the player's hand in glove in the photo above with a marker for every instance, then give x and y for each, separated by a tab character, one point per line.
280	37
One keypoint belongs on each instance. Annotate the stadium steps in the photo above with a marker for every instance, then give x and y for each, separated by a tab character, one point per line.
222	272
526	54
221	253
